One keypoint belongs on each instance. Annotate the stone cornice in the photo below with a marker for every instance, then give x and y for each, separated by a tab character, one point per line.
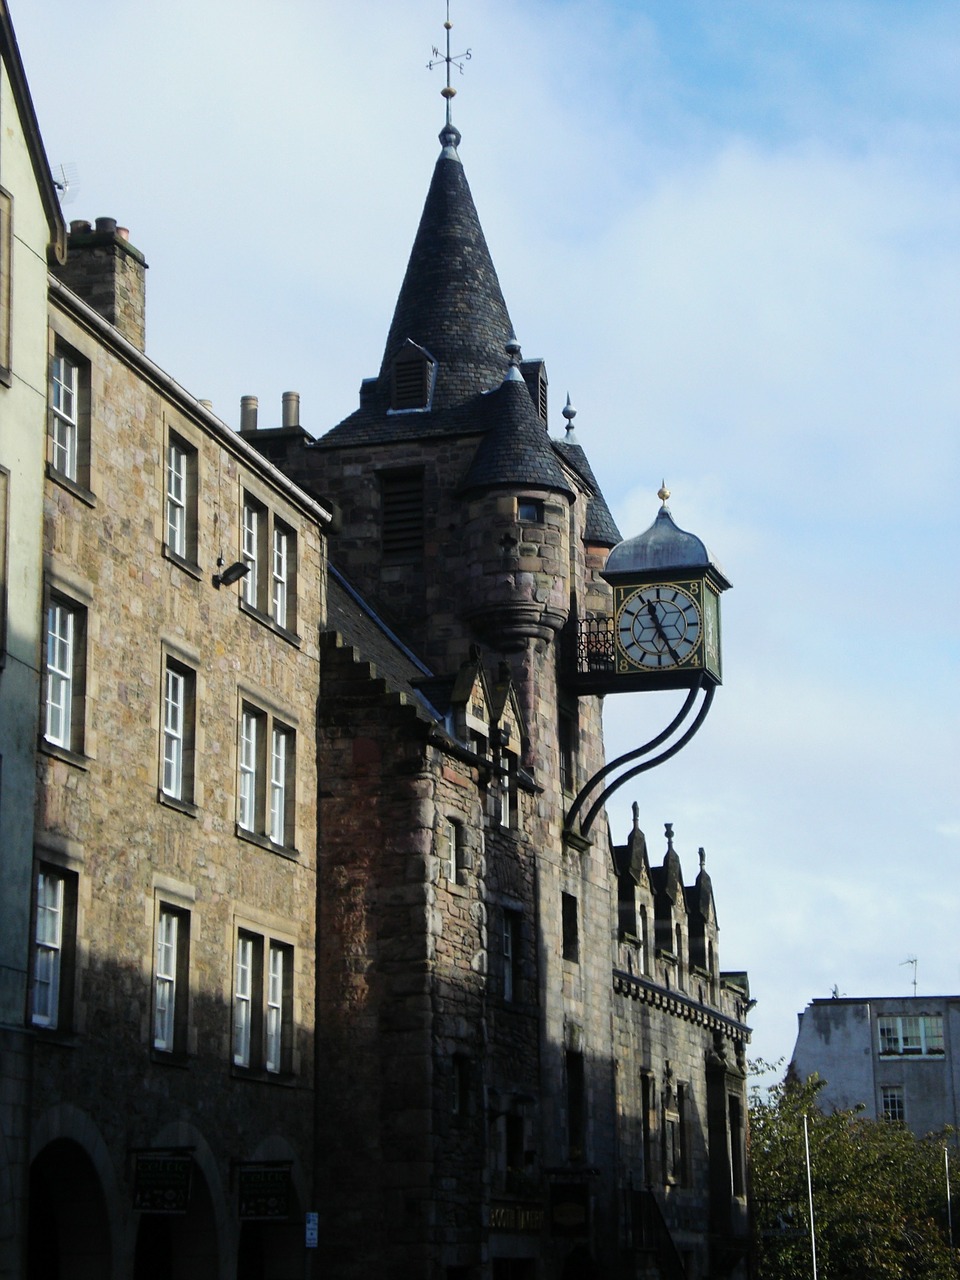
678	1005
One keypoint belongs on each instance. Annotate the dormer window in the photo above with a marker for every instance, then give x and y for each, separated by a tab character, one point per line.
535	376
411	379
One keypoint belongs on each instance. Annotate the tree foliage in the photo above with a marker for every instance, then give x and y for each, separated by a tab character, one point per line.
879	1193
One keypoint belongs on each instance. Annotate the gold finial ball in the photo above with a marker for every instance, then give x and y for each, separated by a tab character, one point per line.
448	92
663	493
448	25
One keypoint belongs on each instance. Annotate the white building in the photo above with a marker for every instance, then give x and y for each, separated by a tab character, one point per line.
895	1057
32	233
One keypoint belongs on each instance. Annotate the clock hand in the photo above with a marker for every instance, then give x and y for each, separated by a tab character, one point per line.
658	627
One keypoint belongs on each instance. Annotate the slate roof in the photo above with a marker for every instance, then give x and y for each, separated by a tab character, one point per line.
515	450
601	528
451	305
361	627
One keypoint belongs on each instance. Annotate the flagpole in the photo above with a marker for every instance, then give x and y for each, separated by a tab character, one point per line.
813	1237
946	1170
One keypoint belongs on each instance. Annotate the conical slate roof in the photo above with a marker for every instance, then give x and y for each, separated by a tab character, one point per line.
515	450
450	301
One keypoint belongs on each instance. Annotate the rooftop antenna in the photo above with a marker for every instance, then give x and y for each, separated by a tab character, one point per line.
66	180
456	60
911	960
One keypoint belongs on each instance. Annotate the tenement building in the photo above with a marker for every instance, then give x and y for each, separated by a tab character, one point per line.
312	969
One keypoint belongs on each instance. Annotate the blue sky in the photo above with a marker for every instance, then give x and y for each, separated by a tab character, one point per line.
733	231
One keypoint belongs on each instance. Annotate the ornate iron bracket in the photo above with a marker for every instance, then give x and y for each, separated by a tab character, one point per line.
683	714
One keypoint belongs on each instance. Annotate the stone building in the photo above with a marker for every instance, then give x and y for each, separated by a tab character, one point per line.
894	1056
529	1063
172	996
312	929
31	234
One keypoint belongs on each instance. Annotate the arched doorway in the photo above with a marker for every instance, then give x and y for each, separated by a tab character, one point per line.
68	1235
270	1251
179	1246
580	1265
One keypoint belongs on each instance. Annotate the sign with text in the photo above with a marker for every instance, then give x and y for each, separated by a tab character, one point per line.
264	1191
161	1182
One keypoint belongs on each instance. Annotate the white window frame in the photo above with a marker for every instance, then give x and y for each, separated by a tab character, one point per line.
178	460
251	727
243	999
910	1035
48	949
892	1101
273	1037
280	756
174	730
250	551
65	406
262	1003
165	979
60	672
266	776
280	569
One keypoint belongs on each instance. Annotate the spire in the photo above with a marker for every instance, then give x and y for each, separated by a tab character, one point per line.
450	302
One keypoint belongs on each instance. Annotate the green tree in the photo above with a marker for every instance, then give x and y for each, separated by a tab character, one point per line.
879	1193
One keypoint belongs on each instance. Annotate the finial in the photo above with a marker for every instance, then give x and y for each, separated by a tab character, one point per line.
512	348
663	493
703	858
668	829
449	136
569	412
636	816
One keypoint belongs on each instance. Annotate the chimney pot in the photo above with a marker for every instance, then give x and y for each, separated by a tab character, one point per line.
79	226
248	413
291	408
107	225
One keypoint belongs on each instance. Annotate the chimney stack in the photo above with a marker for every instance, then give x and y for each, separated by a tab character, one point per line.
291	408
109	274
248	413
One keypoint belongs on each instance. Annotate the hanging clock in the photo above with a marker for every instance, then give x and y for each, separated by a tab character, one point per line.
666	603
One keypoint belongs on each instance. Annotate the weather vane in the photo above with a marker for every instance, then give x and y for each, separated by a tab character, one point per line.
456	60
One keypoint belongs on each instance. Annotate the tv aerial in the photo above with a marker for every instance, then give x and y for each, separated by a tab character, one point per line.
66	179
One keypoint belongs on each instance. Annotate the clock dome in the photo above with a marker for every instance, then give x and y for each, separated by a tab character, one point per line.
662	548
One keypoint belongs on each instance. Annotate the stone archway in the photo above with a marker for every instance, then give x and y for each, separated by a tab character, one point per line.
68	1230
179	1246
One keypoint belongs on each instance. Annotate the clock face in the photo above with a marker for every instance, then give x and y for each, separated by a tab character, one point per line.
659	626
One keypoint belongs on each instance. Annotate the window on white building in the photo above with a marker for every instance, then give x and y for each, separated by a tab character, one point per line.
891	1102
918	1035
